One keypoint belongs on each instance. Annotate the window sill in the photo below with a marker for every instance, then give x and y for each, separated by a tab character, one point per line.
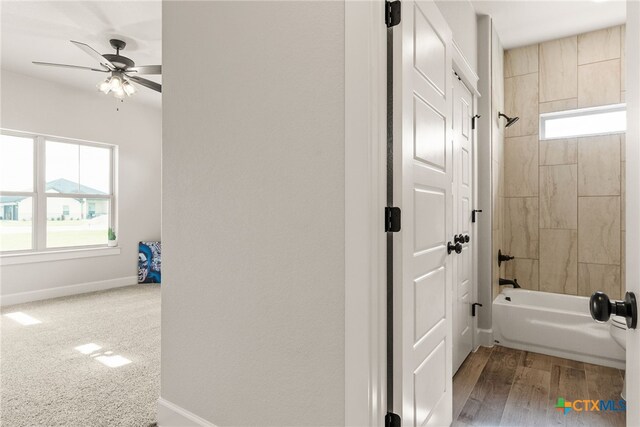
58	255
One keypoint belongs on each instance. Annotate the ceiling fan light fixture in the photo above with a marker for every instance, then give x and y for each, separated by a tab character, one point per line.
104	86
119	93
115	82
128	88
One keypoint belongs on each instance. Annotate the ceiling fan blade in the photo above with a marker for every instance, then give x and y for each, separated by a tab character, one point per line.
50	64
95	55
146	69
146	83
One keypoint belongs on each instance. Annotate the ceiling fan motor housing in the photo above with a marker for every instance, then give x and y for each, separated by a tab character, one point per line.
122	62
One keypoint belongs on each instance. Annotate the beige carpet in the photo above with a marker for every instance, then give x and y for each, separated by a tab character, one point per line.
46	382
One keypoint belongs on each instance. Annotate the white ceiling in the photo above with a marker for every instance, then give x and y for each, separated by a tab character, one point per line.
520	23
41	30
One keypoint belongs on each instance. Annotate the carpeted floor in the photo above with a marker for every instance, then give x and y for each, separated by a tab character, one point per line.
46	382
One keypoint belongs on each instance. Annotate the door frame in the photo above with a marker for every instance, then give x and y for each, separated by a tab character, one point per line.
365	239
365	199
470	79
632	202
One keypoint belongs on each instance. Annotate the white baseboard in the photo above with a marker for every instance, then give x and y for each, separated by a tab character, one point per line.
172	415
63	291
485	337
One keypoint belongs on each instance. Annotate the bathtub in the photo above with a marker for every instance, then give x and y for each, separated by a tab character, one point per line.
553	324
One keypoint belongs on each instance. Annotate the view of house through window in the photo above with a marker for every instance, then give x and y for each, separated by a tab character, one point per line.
17	191
66	202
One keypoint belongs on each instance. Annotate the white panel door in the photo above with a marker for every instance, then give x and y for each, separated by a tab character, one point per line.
462	189
423	176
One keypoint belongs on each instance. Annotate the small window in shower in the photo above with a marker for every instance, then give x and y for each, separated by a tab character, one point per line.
583	122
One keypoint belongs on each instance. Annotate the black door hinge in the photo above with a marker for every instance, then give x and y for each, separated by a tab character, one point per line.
392	420
473	308
392	13
392	219
473	120
473	214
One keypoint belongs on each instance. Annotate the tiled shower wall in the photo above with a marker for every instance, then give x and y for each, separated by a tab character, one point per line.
564	199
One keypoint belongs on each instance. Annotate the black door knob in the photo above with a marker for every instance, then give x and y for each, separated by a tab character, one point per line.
466	238
458	238
451	247
601	308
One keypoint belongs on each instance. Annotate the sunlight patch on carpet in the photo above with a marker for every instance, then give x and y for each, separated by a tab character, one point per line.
113	361
88	348
22	318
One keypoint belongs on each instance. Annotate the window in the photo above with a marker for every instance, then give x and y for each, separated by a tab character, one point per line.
585	121
54	193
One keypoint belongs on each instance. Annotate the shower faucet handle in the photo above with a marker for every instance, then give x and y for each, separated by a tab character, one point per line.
503	257
601	308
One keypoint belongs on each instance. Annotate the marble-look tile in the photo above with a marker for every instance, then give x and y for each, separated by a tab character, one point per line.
561	105
497	217
599	230
522	60
559	196
599	277
521	227
559	261
525	271
623	146
496	196
623	196
599	83
496	245
558	62
623	58
521	166
558	151
599	45
521	99
599	165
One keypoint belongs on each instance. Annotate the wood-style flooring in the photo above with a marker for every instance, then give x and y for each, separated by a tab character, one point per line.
501	386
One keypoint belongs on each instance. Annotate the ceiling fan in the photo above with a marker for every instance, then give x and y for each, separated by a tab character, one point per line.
122	70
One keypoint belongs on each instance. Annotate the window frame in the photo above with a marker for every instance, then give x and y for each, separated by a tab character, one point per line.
39	195
578	112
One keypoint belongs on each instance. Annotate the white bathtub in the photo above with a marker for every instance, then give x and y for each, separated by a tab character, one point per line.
554	324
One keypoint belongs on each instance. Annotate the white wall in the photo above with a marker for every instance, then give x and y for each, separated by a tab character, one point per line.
39	106
253	139
461	17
